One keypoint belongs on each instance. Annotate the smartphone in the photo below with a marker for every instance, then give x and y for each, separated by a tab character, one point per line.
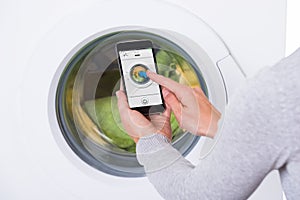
135	58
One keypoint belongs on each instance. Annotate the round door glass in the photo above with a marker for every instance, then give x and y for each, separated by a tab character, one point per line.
87	106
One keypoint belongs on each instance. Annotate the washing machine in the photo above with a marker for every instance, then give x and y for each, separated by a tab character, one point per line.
61	132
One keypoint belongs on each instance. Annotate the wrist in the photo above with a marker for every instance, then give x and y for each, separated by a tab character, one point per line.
167	136
210	129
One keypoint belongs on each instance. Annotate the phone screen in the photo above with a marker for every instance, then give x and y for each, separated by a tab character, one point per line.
141	91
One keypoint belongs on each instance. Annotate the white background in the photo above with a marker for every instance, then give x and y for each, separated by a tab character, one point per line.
293	26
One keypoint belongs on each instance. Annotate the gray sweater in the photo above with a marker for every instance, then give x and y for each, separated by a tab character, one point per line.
261	133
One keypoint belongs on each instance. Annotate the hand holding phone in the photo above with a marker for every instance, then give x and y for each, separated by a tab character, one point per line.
137	125
135	58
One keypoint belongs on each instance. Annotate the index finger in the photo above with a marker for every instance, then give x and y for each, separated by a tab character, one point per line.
177	88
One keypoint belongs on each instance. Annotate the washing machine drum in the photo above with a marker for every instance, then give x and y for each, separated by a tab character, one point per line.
83	101
87	106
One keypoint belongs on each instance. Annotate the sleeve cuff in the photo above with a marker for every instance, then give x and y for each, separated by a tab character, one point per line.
151	143
155	153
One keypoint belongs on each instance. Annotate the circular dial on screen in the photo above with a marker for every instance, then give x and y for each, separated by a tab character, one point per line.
138	74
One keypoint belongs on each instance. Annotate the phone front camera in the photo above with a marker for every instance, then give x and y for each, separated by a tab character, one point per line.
138	74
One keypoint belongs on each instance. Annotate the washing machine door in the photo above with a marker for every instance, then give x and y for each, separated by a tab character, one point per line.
86	105
68	119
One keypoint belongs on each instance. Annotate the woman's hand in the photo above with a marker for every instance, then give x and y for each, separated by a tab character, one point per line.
191	108
137	125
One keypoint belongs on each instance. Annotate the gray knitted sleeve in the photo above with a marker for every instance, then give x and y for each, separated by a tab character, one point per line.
260	133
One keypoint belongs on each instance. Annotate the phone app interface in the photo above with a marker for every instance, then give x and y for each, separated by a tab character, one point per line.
141	91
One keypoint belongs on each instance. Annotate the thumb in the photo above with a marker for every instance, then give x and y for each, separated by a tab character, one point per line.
172	102
123	105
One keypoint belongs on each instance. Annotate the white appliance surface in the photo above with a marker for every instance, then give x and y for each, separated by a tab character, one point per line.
36	36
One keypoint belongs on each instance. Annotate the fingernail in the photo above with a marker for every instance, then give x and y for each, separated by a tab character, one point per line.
166	92
117	94
149	72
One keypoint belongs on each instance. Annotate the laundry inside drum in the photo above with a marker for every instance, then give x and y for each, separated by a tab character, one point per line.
87	105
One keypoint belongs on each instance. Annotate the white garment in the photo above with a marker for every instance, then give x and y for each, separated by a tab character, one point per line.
261	133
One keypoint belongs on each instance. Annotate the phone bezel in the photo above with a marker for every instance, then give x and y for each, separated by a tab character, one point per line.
136	45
